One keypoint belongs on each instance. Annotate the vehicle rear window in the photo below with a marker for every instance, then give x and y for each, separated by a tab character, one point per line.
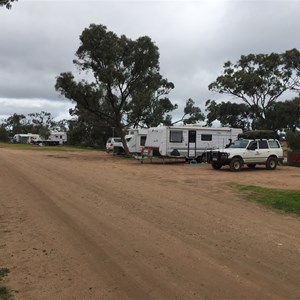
118	140
274	144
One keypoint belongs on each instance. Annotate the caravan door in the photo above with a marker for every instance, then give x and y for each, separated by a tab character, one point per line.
192	143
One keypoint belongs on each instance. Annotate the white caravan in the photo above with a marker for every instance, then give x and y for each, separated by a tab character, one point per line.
22	138
59	137
136	139
55	138
189	141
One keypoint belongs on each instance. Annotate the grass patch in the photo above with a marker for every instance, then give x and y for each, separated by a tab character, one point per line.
64	148
4	293
286	200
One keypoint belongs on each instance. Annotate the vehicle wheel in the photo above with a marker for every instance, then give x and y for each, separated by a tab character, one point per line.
251	166
235	164
272	163
216	166
199	159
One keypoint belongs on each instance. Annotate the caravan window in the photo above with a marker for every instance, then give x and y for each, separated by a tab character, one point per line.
176	136
206	137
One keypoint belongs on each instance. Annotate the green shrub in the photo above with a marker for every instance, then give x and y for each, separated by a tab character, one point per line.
293	140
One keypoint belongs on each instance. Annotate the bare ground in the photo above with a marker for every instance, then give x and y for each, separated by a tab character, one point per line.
86	225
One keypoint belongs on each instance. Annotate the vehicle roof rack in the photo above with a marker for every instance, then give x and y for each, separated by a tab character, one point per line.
258	134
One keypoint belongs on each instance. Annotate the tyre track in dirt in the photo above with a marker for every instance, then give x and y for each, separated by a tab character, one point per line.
169	240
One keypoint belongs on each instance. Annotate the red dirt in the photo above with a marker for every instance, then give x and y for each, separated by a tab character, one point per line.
86	225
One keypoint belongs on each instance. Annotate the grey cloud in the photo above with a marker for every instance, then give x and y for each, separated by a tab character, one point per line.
194	38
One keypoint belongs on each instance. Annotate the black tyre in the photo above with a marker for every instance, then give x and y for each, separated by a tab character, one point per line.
251	166
235	164
199	159
216	166
272	163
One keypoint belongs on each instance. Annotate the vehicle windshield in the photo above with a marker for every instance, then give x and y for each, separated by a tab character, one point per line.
239	144
117	140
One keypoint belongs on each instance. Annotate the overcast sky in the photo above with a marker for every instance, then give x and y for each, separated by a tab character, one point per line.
38	40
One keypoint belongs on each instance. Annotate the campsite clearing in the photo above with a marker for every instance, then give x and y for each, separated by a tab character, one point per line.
88	225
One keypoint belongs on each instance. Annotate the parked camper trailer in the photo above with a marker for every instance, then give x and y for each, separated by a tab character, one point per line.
59	137
136	139
189	142
55	138
23	138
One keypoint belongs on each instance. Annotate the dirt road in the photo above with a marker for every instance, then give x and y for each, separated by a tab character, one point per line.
85	225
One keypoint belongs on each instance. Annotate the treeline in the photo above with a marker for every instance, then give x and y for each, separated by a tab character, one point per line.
81	131
127	88
124	88
86	129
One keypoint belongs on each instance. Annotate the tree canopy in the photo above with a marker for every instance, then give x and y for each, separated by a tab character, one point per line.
39	123
6	3
259	80
126	88
235	115
121	68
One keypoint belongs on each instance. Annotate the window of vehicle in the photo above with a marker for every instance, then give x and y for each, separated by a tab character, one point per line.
274	144
128	139
263	145
239	144
252	145
206	137
117	140
176	136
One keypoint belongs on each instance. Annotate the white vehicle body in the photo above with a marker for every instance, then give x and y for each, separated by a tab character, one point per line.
114	144
55	138
136	139
25	138
250	152
189	142
60	137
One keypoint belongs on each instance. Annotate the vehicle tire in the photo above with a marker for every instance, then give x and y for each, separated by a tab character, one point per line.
271	163
251	166
216	166
199	159
235	164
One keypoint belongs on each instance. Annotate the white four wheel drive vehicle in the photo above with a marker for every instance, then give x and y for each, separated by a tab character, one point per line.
114	144
250	152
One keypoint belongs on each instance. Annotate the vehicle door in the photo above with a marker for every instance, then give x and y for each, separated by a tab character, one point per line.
192	144
251	153
263	150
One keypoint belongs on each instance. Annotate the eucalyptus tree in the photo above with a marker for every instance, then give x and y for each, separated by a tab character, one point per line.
120	69
259	80
236	115
6	3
